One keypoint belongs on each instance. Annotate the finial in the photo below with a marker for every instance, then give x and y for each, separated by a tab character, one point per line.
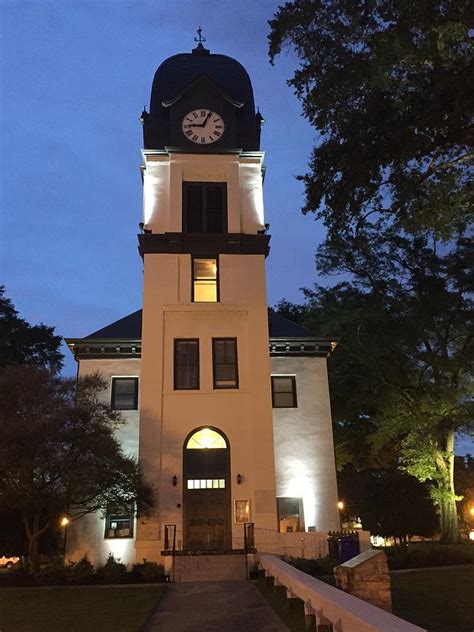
199	39
200	50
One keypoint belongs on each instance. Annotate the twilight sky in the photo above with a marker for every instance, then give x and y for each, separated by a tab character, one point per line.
75	76
74	79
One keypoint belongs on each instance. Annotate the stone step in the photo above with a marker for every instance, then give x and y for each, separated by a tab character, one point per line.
206	568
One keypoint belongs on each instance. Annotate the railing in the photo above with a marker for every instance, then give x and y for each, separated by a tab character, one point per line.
249	537
170	537
329	606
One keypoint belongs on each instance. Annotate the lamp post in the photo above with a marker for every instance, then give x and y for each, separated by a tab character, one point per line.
64	523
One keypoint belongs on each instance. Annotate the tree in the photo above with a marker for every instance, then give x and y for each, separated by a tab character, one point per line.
387	501
402	373
22	343
389	86
464	477
58	452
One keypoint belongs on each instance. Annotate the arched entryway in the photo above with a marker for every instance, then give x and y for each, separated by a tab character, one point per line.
206	495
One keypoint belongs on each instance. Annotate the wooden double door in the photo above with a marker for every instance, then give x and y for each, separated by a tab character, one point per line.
207	501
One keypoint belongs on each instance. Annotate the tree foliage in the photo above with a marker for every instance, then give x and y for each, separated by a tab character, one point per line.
58	452
389	86
384	501
22	343
401	375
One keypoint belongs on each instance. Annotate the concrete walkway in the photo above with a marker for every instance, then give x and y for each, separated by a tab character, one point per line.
234	606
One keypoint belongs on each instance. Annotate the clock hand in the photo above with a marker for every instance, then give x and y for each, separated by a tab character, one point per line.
206	120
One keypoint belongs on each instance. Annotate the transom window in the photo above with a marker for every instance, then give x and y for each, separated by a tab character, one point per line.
186	364
204	207
206	438
284	391
124	393
224	358
206	483
205	281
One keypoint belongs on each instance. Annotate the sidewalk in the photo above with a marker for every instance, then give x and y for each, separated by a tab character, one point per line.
235	606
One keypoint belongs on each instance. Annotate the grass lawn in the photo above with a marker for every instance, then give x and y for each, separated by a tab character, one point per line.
438	600
77	609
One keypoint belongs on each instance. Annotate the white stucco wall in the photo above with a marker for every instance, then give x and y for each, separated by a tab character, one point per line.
243	414
304	447
164	174
86	536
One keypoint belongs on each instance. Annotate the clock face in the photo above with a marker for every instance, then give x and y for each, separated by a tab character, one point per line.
203	127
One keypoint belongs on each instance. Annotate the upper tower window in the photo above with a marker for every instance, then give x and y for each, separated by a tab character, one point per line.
204	207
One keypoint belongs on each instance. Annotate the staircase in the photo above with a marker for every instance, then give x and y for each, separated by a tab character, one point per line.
207	568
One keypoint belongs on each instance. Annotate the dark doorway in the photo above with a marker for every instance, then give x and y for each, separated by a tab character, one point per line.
207	507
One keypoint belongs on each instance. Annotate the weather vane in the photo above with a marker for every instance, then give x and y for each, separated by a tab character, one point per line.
200	39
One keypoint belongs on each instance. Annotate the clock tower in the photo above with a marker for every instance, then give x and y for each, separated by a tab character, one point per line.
206	441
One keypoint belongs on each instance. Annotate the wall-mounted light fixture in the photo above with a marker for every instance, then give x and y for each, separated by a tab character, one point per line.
239	479
174	480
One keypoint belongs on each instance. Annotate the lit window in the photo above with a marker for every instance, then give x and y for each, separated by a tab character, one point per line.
186	364
206	438
284	391
119	523
124	393
224	358
217	483
205	280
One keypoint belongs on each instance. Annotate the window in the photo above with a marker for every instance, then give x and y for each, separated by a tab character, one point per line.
284	391
125	393
205	281
206	438
206	483
290	514
186	364
204	207
224	359
119	523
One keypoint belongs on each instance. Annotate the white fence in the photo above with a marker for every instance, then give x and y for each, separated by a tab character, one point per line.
330	605
307	544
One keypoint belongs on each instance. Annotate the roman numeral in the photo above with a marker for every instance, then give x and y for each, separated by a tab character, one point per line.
217	120
203	112
216	133
189	132
196	115
218	126
203	140
195	138
189	119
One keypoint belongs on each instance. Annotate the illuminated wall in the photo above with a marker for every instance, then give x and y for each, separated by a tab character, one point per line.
304	448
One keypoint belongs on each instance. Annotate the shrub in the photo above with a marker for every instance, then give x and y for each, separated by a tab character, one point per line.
113	571
18	575
315	566
427	556
54	573
81	572
148	571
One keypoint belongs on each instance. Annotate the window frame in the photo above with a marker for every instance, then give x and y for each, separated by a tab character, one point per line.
120	515
204	185
116	378
214	385
293	391
175	365
216	259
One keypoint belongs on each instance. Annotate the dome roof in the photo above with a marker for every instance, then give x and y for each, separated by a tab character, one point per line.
178	71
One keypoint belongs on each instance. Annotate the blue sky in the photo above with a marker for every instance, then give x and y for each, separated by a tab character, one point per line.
75	77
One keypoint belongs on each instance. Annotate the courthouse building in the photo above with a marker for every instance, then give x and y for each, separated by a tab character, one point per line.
226	403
